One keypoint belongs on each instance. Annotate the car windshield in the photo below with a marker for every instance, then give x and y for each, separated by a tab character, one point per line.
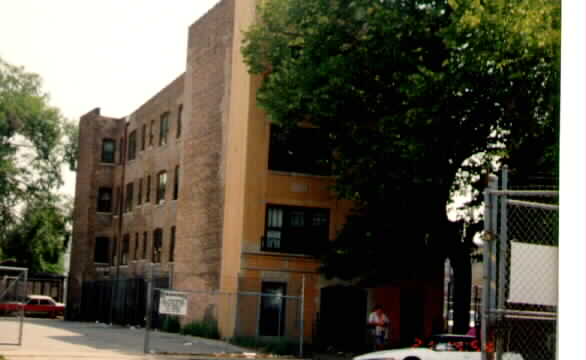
450	343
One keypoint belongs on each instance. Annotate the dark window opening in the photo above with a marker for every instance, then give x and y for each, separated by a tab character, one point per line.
144	245
101	250
114	250
108	150
143	137
135	257
301	150
125	248
152	132
179	120
176	184
163	128
105	199
296	229
272	309
139	197
118	200
129	197
157	245
172	245
148	190
132	145
121	157
161	187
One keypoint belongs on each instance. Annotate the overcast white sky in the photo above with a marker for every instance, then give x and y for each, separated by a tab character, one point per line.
112	54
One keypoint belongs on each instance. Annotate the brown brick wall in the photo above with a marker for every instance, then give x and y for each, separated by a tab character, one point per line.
91	174
200	212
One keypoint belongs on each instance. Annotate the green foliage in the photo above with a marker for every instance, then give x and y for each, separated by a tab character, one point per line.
419	98
204	328
171	324
39	239
408	91
277	346
31	154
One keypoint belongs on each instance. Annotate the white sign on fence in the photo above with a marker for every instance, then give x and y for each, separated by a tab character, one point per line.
534	274
173	303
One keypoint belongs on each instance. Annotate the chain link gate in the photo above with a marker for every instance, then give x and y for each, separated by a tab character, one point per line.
519	303
13	292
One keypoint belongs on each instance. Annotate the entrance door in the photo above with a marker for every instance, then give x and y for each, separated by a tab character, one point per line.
411	315
272	309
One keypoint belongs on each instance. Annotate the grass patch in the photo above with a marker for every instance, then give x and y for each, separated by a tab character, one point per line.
277	346
206	328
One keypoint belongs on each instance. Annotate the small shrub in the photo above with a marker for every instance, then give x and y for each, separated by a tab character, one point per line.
208	329
277	346
171	324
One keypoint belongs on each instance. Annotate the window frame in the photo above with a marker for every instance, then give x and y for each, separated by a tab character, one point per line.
163	128
161	187
104	206
132	145
129	197
103	157
179	120
305	239
157	246
102	250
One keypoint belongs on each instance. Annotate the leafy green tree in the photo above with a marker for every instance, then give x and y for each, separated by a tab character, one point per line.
40	238
32	152
418	98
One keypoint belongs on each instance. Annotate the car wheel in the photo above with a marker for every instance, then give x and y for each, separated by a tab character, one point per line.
52	315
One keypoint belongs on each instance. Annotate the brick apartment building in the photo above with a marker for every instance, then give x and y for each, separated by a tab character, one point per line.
197	182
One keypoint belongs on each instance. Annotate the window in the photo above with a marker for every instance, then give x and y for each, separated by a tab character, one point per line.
124	253
129	197
114	250
302	150
157	245
135	257
121	157
139	199
108	150
144	244
295	229
143	137
176	184
172	245
101	250
272	309
161	186
179	120
152	132
163	128
148	190
105	199
132	145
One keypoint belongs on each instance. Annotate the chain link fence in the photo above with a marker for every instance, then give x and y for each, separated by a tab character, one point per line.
224	322
521	271
13	292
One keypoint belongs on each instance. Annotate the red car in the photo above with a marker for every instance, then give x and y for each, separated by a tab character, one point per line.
35	305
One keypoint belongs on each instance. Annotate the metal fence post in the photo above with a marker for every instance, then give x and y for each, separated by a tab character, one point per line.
149	295
502	256
302	325
20	330
487	260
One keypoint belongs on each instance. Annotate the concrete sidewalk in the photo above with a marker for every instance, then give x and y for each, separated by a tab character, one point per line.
47	339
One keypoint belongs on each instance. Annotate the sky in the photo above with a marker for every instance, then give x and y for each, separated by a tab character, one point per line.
111	54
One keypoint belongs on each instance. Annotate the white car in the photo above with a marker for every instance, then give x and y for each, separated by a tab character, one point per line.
444	347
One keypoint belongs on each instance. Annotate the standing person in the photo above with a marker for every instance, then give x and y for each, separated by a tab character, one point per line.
379	322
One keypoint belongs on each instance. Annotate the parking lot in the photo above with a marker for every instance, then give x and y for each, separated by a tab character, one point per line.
45	339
